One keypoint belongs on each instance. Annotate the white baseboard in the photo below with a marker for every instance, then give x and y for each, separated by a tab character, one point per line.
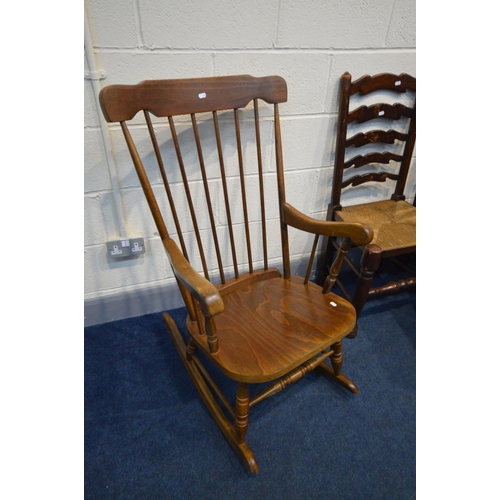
131	303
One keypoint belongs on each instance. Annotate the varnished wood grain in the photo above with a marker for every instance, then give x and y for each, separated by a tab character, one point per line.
359	234
361	160
356	180
372	136
204	291
383	81
187	96
270	327
380	110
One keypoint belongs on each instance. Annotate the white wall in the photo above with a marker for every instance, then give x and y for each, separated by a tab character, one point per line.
309	43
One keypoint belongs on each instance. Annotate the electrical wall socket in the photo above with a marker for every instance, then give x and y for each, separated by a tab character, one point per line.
127	247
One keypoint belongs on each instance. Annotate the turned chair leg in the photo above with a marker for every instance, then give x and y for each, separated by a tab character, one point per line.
334	373
370	262
230	432
190	349
241	410
337	358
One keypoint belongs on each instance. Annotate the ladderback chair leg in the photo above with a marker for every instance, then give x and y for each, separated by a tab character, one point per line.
370	262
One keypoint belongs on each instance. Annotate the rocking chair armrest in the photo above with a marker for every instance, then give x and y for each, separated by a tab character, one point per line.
359	234
200	288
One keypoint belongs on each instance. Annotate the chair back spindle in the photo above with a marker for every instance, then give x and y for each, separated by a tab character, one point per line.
165	182
243	189
226	194
226	169
261	181
281	193
189	198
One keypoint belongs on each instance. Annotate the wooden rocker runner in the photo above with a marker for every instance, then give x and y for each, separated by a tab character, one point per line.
255	323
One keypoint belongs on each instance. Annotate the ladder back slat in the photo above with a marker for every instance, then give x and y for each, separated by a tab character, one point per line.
370	177
361	160
382	110
397	83
374	136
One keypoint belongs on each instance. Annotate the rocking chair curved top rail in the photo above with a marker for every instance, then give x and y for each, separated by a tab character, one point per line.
190	95
254	322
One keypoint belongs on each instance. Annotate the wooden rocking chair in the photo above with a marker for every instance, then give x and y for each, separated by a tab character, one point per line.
255	323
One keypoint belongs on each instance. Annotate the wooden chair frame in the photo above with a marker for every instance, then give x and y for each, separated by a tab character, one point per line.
293	327
394	218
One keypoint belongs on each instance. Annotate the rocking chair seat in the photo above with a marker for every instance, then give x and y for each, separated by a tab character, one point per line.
269	327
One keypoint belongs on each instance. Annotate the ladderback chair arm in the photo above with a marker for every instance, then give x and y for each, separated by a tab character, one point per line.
357	233
201	289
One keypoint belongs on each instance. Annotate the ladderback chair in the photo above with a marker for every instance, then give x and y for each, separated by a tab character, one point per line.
254	322
377	114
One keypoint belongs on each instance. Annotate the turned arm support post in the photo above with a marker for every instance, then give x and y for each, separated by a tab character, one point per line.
336	265
199	288
355	233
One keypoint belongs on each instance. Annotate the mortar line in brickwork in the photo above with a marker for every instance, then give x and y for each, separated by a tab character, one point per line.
276	33
327	90
264	118
389	23
137	15
212	61
270	50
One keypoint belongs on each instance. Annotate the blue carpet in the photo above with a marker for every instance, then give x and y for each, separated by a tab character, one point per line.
149	436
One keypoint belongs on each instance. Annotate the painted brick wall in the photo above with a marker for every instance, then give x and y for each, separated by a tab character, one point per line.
308	42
